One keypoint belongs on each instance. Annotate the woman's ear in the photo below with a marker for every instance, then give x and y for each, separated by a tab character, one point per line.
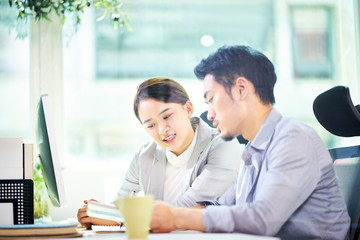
189	108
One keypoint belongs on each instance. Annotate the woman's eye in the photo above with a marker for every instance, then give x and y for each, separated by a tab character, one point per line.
150	126
167	116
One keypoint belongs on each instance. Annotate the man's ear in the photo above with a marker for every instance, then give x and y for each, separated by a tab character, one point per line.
242	86
189	108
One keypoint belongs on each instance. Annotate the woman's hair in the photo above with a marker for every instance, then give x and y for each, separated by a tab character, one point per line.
161	89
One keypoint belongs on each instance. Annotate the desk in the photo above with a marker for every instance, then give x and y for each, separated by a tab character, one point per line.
176	235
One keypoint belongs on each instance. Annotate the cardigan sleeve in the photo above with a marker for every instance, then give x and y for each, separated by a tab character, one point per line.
219	164
131	181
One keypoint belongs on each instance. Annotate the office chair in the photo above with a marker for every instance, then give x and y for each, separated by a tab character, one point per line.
347	170
336	113
203	116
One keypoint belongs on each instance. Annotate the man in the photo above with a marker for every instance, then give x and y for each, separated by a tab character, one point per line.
286	185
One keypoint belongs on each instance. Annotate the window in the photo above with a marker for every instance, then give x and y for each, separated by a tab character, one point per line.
312	42
103	66
15	118
170	37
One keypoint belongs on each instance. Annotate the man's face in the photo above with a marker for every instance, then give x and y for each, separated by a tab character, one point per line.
222	108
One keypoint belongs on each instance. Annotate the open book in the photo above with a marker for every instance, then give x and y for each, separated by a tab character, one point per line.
104	211
51	230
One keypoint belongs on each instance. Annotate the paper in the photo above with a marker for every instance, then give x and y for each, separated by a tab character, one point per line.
7	213
107	228
11	158
28	161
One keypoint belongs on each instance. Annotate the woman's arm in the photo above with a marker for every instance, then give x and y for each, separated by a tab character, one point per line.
220	164
131	181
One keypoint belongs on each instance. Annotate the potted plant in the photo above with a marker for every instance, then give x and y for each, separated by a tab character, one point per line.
42	202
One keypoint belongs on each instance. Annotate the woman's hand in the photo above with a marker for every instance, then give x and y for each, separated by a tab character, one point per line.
87	221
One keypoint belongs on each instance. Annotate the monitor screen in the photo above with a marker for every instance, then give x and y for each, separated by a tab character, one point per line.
48	153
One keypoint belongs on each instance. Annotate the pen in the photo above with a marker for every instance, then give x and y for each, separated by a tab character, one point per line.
131	195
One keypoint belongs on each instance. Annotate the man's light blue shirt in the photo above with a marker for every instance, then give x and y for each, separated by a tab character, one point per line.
294	193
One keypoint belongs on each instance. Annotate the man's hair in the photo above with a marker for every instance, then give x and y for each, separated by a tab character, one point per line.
229	63
161	89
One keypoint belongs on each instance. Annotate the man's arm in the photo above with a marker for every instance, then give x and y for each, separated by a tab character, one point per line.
167	218
290	176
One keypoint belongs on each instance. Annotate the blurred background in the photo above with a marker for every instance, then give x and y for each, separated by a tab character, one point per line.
91	72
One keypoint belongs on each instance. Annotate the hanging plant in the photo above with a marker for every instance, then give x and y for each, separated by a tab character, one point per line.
114	9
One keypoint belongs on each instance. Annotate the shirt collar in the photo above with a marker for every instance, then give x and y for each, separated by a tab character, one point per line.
182	159
263	136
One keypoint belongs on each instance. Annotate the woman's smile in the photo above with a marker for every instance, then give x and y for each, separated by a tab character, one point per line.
170	138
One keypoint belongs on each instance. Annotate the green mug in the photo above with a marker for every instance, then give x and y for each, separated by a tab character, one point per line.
137	213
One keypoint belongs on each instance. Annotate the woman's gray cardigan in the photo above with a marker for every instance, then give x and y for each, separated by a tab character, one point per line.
211	169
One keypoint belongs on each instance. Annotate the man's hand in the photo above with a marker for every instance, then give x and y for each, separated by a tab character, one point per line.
166	218
87	221
163	219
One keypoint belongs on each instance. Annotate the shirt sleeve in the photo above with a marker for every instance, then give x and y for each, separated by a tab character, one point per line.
217	175
291	174
228	198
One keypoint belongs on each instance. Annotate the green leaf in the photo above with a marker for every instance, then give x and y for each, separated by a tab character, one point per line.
113	9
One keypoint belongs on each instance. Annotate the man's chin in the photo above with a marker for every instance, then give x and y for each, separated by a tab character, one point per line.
227	137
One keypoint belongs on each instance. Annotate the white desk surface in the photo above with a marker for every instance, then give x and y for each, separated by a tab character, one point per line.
176	235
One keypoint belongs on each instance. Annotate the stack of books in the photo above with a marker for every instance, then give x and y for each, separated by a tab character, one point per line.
51	230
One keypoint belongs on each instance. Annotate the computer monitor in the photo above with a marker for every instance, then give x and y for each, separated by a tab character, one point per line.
48	153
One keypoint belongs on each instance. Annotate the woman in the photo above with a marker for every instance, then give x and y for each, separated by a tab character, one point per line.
186	161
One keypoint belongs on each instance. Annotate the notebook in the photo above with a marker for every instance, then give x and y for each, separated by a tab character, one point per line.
51	230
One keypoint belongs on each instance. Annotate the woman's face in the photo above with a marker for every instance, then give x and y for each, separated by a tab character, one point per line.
167	123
